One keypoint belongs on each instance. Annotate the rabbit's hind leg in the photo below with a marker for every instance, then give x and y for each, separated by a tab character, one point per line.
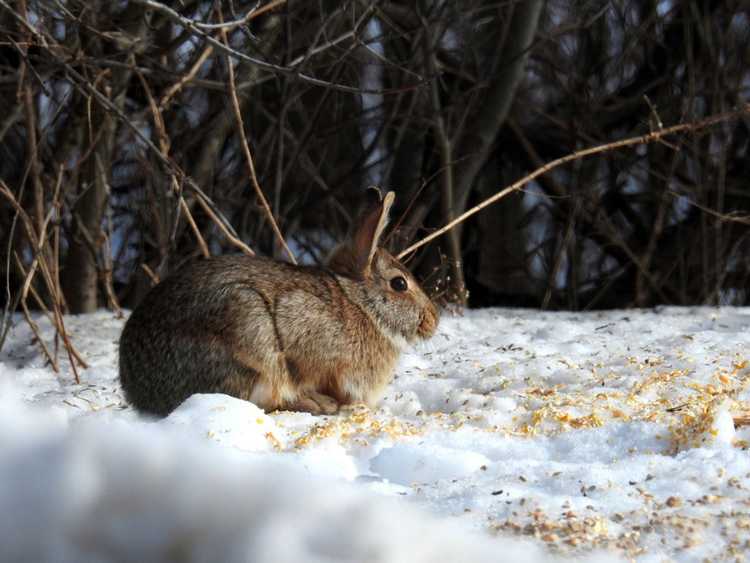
241	382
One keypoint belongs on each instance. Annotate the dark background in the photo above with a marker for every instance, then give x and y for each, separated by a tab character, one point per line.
443	102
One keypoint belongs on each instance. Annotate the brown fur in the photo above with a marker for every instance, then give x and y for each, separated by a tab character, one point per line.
282	336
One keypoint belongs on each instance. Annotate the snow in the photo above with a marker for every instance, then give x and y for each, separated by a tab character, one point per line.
513	435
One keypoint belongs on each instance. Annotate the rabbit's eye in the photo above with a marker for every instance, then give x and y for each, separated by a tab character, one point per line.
399	283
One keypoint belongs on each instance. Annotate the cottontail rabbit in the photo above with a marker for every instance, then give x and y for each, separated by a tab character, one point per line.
282	336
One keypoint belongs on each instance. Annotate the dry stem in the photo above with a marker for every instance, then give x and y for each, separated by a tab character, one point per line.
248	155
197	29
177	86
164	144
38	241
222	226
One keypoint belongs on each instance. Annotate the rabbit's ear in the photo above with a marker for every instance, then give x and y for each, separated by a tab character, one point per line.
371	227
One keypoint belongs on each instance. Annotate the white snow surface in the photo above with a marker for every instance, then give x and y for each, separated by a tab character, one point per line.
513	435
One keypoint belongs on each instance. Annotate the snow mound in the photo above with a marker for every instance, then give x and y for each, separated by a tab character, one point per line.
97	490
229	421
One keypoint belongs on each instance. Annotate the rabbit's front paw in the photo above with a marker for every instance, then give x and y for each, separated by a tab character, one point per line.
315	403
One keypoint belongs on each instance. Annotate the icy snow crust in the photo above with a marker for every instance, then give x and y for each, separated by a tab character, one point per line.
511	436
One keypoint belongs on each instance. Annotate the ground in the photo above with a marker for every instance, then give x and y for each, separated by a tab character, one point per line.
608	435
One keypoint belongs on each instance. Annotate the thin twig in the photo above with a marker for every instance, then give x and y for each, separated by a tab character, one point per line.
222	226
731	217
185	78
38	242
194	227
351	34
195	28
164	143
80	83
629	142
254	13
150	273
249	157
447	185
28	276
34	293
108	264
39	339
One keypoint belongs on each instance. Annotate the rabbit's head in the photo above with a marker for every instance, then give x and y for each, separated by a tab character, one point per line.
383	286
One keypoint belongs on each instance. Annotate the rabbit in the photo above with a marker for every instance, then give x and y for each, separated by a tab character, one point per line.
284	337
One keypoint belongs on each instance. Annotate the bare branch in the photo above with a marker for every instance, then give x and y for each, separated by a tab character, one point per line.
164	142
629	142
265	65
222	224
254	13
38	242
184	79
80	83
457	283
249	157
